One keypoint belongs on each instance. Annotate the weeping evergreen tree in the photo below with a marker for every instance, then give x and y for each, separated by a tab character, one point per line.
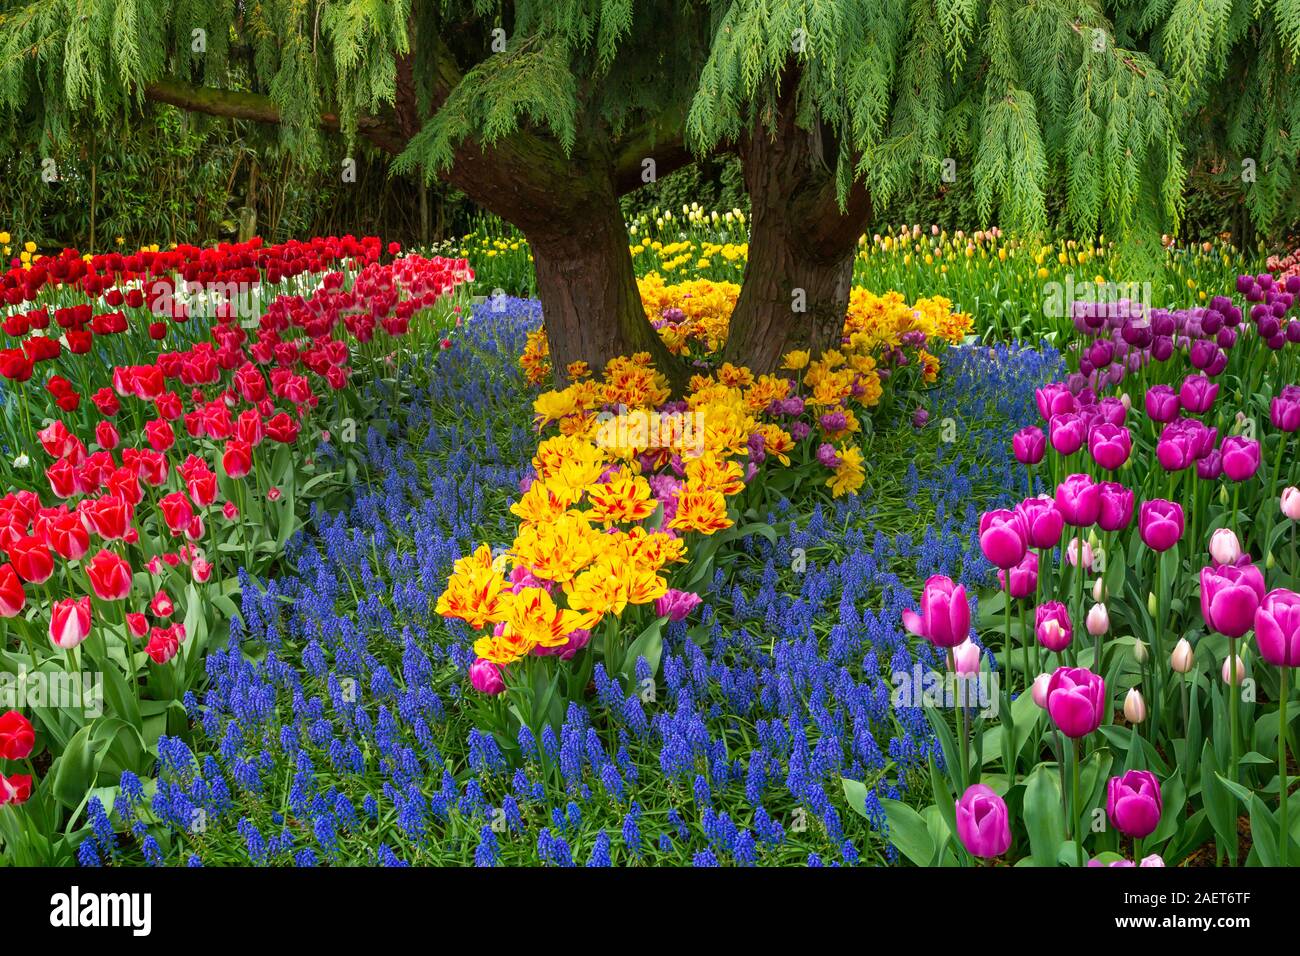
542	111
545	111
838	106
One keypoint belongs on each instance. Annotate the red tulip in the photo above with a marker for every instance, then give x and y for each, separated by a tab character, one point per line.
110	576
16	736
12	595
69	622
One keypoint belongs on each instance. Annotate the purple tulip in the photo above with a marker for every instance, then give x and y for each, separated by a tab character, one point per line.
1113	410
1160	523
1110	446
1277	628
1002	538
1042	522
1230	596
1076	700
1078	498
1029	445
983	825
1068	431
1162	404
1240	457
1052	626
1024	576
944	620
1134	804
1116	506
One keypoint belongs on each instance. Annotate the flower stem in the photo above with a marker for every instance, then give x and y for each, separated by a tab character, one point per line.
1075	809
1284	832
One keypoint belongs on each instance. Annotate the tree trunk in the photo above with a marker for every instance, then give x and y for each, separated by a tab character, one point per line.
801	244
567	208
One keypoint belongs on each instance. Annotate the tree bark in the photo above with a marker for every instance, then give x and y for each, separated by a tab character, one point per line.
801	247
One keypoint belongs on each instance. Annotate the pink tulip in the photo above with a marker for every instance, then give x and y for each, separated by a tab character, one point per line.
486	677
1134	804
967	657
1116	506
1029	444
1067	433
1240	457
1039	690
1197	394
675	604
69	622
1162	403
1224	546
983	825
1291	503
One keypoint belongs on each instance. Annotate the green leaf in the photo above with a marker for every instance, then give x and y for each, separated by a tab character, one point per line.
1044	817
74	772
908	832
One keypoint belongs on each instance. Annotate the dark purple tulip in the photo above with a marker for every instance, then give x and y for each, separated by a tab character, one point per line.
1116	506
1134	804
1160	524
1226	338
1269	327
1244	283
1078	499
1202	353
1101	352
1293	284
1163	324
1162	348
1197	394
1211	321
1277	342
1230	595
1042	521
1293	329
1240	457
1162	403
1217	364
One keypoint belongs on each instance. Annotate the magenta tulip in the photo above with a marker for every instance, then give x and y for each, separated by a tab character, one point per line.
1277	628
1002	538
1029	445
1042	522
1116	506
1240	457
944	620
1078	498
1076	700
1068	431
1054	399
1197	394
1024	576
1134	804
983	825
1110	445
1230	596
1162	404
1160	523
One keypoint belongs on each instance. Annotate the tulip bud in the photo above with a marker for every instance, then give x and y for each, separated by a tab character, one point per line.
1135	708
1140	652
1098	621
1099	590
1227	670
1291	503
1039	691
1223	494
1151	603
1182	659
1269	562
1224	546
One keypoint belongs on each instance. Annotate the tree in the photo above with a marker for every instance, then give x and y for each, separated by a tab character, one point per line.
543	112
837	106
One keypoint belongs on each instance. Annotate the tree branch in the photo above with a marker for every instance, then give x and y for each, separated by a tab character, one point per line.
259	108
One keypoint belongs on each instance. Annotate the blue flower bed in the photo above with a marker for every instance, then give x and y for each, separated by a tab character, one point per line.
336	726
